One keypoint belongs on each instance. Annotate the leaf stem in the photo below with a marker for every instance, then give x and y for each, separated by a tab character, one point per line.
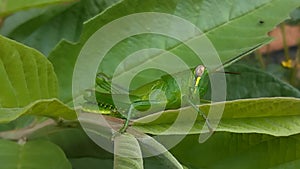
260	58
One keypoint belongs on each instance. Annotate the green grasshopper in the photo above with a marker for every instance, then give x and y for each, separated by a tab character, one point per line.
192	86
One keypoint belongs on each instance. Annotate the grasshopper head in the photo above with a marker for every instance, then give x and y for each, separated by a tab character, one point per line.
201	80
199	71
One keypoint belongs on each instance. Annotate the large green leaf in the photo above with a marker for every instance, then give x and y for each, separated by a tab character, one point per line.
92	156
50	108
35	154
153	149
26	75
295	17
69	139
127	152
251	82
94	163
27	78
273	116
91	163
239	151
8	7
241	27
59	21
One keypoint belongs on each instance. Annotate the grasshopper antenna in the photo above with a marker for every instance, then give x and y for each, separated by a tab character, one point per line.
226	72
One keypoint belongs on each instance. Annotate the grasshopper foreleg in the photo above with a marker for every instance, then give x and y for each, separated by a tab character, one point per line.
201	113
127	120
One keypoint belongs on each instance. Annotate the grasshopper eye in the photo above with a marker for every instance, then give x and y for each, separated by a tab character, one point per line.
199	71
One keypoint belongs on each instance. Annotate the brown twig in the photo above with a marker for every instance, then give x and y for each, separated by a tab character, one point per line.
20	134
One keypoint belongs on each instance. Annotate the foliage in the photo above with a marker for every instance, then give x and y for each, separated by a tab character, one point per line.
10	7
259	127
295	17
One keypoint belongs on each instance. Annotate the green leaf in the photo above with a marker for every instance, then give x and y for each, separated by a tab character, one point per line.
239	151
28	84
36	154
234	33
127	152
254	83
273	116
25	75
91	163
67	138
8	7
63	21
94	163
64	63
50	108
295	17
92	156
21	122
153	149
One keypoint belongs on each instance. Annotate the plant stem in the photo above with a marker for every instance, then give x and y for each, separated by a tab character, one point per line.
260	59
285	46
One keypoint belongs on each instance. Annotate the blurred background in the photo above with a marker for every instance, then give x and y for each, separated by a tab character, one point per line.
282	56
